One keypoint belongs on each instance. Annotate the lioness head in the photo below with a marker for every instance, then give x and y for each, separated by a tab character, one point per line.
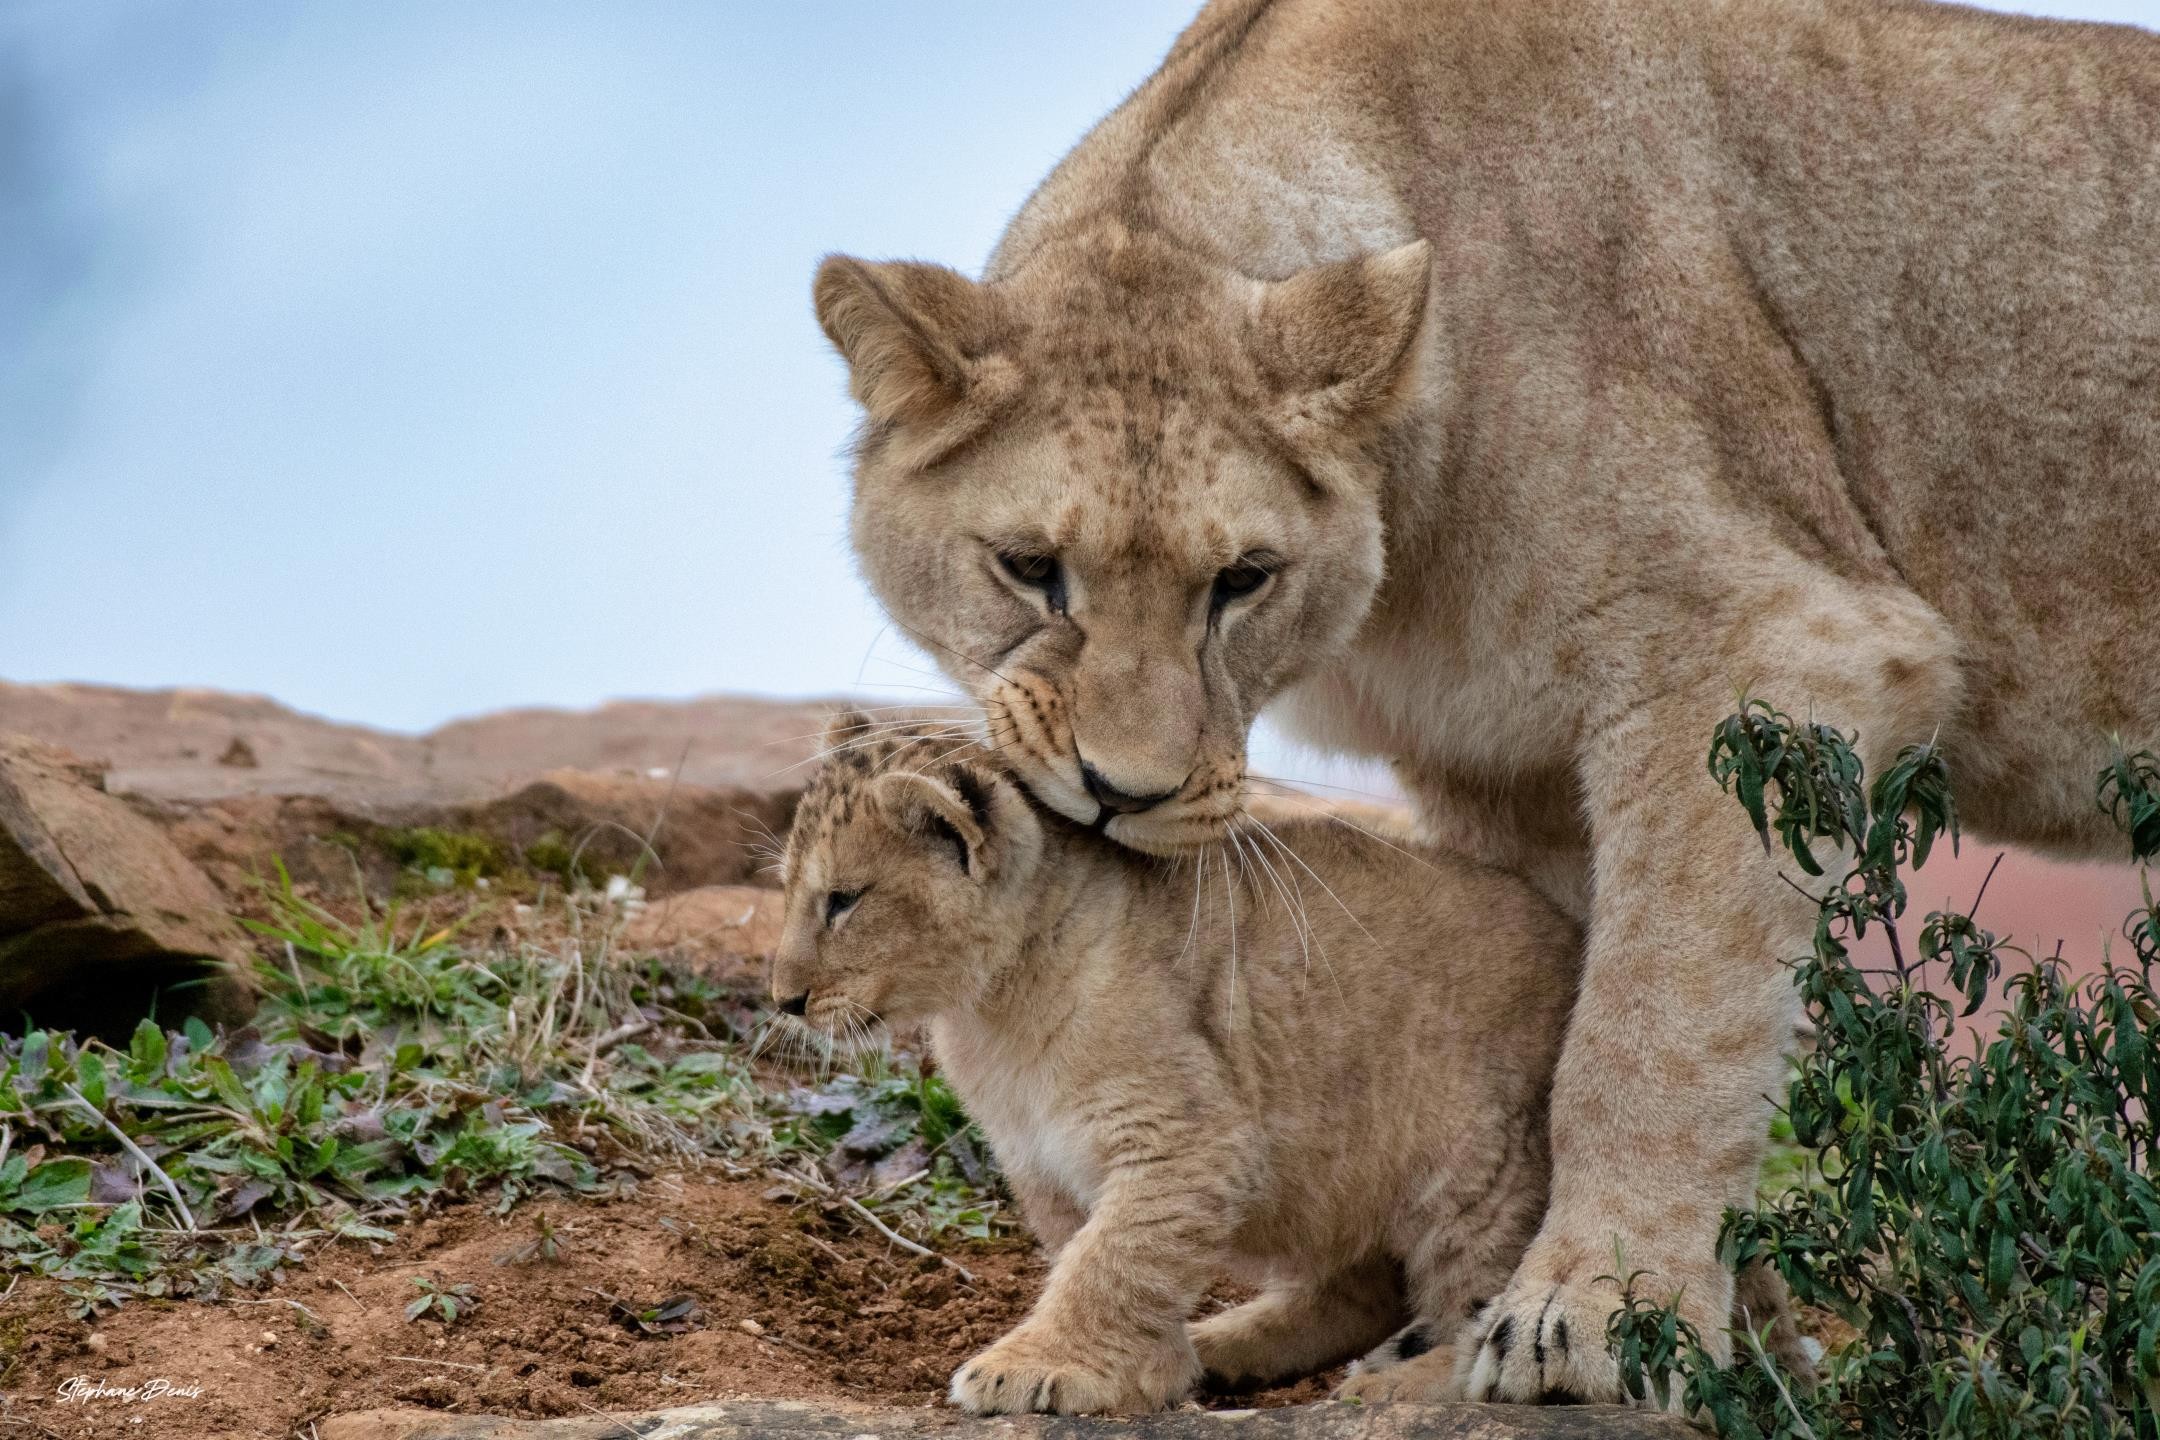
907	880
1125	496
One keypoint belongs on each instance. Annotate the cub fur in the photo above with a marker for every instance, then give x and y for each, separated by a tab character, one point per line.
1312	1059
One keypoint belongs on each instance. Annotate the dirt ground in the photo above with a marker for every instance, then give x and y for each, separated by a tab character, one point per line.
788	1305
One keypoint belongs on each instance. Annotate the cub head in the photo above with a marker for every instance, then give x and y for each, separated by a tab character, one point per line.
1125	496
907	872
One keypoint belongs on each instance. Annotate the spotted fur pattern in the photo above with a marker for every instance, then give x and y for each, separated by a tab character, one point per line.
1312	1057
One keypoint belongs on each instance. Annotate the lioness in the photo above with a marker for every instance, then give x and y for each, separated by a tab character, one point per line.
1317	1054
1504	387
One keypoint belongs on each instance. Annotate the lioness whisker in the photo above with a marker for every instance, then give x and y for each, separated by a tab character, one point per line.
1229	890
1320	808
859	743
1294	906
1299	860
1289	783
1309	933
901	665
960	654
916	714
1199	883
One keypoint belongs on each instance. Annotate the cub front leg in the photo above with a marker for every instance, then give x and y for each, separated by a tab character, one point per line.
1109	1332
1048	1210
1297	1326
1661	1100
1470	1229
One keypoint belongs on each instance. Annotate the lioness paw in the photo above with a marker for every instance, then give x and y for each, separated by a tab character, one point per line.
1023	1373
1544	1344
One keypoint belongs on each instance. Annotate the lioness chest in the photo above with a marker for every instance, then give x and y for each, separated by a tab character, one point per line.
1412	696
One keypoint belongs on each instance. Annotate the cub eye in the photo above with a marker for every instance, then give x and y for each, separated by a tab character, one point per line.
1237	581
839	902
1037	571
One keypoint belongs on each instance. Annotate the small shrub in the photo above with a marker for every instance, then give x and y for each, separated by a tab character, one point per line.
545	1247
446	1302
553	855
1981	1214
445	858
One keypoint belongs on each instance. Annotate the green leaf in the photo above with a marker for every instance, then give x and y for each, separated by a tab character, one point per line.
36	1054
90	1078
54	1184
147	1052
227	1085
2002	1262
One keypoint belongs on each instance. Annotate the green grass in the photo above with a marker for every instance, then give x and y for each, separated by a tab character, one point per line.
392	1067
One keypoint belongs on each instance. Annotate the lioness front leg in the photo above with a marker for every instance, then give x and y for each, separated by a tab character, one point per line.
1660	1103
1109	1332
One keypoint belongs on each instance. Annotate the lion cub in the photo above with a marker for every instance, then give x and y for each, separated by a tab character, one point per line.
1310	1058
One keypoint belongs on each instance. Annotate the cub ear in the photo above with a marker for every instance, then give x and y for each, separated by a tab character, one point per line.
938	814
844	727
918	340
1335	343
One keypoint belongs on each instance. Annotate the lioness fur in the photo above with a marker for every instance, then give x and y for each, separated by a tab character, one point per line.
1504	388
1316	1059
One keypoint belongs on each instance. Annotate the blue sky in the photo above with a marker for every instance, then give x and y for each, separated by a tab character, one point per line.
405	360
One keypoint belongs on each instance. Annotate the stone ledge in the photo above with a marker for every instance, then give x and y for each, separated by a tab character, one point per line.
96	901
771	1420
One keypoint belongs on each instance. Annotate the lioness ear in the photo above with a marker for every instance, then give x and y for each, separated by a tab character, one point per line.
917	339
937	813
1335	343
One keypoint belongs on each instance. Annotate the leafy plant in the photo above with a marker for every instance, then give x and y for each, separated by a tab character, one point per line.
673	1316
446	858
1982	1216
391	1067
444	1301
545	1246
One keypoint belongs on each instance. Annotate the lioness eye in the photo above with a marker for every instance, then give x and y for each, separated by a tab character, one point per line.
839	902
1038	572
1239	580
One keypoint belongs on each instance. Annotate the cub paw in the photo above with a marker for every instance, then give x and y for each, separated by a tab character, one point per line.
1408	1365
1025	1373
1244	1348
1417	1338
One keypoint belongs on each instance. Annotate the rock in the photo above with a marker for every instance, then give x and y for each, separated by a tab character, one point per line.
771	1420
97	907
241	782
699	836
686	835
721	929
194	746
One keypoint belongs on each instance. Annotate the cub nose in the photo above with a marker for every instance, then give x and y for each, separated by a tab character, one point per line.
795	1004
1118	801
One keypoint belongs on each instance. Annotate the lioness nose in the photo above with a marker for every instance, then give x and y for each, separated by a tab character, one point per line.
1113	799
795	1004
